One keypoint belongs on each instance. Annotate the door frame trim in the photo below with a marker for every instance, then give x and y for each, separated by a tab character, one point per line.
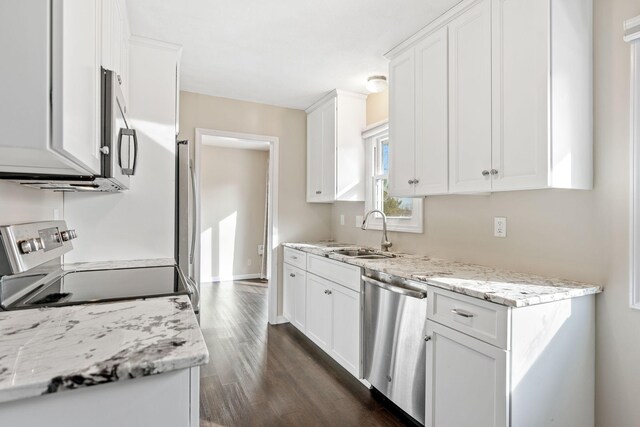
273	240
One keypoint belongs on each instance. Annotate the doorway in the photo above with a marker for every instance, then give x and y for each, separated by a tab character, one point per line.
226	253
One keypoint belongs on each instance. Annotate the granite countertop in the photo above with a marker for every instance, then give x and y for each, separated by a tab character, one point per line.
54	349
491	284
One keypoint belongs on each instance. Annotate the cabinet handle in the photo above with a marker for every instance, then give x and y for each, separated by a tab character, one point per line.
486	173
292	275
318	192
411	181
294	257
427	338
463	313
328	292
494	172
415	181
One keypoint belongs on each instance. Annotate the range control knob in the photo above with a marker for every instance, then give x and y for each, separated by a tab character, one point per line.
30	245
68	235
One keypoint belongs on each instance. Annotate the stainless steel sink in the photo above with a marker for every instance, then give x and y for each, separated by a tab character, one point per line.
364	254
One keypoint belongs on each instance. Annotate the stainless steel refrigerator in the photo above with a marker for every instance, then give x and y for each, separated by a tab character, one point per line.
188	216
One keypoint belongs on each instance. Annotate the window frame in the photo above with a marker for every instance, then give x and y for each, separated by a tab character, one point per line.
632	35
372	136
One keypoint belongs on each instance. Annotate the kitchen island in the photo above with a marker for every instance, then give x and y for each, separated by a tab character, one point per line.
143	354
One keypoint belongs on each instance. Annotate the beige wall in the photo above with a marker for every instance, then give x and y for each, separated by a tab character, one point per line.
233	189
20	204
298	220
377	107
580	235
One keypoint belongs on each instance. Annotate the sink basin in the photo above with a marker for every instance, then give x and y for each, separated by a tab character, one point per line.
336	245
354	252
364	254
376	256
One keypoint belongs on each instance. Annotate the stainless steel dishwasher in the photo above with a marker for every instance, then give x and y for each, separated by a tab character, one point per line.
394	326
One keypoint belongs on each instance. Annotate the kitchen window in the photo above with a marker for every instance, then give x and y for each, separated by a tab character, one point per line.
404	214
632	35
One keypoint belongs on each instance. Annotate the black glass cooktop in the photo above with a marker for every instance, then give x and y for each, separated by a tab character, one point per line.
79	287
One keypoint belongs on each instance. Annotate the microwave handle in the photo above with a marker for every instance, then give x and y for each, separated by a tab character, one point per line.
129	132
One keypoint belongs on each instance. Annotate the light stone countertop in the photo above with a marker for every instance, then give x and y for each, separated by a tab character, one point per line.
490	284
49	350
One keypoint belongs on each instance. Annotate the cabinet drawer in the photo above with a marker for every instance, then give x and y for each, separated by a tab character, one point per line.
486	321
295	257
336	271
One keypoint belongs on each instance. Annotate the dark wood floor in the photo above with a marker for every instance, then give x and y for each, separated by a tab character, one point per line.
262	375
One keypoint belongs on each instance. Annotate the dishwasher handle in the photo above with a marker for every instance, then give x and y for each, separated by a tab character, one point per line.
393	288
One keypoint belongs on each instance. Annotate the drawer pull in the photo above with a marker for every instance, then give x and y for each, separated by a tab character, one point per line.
292	275
294	257
463	313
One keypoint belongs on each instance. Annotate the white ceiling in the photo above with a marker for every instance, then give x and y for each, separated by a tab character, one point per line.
281	52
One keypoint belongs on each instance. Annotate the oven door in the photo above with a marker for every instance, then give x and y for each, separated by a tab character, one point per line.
120	142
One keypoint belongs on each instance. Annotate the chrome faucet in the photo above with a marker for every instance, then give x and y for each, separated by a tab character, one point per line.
385	244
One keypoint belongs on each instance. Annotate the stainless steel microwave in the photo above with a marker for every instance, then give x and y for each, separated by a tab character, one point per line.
119	149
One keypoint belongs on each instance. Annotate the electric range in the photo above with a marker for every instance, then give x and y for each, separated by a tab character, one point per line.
32	275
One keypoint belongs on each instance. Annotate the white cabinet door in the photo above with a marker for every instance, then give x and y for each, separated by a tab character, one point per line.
402	124
466	381
321	145
319	311
300	299
295	294
76	81
345	321
432	140
314	155
521	94
470	100
288	290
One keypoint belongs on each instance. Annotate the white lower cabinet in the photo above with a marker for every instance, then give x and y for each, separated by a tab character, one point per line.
466	380
489	365
324	303
319	311
295	294
345	328
333	321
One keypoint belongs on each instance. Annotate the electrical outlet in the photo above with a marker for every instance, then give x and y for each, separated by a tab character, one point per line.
260	249
500	226
359	219
341	219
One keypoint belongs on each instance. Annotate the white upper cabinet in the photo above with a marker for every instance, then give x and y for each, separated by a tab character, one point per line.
470	100
511	119
418	119
431	172
335	151
76	82
115	41
52	102
402	124
543	94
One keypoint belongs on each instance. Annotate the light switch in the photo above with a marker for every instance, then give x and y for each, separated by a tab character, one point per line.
500	226
341	219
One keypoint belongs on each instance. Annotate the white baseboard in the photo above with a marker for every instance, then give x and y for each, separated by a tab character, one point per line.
279	320
235	277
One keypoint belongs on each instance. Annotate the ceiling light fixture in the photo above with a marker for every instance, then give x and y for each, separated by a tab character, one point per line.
376	84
